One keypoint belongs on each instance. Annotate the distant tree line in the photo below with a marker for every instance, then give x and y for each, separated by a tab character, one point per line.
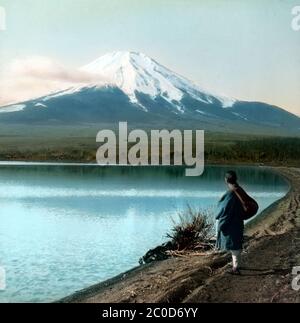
265	150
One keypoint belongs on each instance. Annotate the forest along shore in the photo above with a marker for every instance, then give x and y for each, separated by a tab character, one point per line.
271	251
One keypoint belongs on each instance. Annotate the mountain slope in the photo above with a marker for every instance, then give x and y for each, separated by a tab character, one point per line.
135	72
133	87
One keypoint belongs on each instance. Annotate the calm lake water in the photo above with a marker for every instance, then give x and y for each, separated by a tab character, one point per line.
63	228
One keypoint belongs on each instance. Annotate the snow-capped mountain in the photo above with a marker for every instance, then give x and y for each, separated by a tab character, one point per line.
132	87
135	72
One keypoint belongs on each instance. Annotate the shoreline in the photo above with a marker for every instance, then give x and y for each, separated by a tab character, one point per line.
20	162
191	278
79	163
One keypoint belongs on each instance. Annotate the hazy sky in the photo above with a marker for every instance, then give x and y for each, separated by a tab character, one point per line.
244	49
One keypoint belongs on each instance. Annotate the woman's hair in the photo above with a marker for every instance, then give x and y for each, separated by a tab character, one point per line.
231	177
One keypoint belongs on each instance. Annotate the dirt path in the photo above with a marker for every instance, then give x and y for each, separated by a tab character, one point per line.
272	250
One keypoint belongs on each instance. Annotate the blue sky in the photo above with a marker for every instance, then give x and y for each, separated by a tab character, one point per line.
244	49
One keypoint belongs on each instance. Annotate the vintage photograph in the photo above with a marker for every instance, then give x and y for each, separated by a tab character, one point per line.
149	152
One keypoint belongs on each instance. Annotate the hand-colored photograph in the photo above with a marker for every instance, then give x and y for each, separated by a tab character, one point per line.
149	152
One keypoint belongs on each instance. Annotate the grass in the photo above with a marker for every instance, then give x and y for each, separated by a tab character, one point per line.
192	231
78	144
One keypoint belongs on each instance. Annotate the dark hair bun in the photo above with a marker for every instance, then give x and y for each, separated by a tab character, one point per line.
231	177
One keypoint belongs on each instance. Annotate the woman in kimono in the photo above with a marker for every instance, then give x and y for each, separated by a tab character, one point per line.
230	224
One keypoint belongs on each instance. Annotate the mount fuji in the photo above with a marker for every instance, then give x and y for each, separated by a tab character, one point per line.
130	86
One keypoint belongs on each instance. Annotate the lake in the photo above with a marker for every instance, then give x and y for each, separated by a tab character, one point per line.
64	228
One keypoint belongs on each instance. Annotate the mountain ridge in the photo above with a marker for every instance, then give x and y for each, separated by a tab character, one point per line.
135	88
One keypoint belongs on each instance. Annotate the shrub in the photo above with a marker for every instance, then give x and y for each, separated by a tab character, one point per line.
193	230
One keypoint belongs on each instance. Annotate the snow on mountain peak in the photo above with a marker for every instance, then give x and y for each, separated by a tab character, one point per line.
136	72
131	72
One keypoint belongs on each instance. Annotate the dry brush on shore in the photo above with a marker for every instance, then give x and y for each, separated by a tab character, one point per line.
192	232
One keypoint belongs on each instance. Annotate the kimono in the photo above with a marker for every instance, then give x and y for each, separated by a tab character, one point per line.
230	227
